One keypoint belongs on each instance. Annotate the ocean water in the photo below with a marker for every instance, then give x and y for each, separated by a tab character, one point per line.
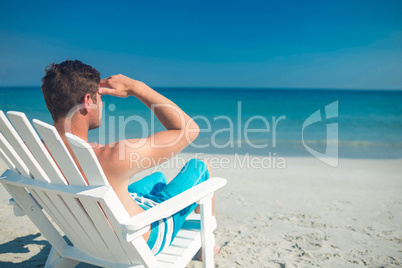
273	122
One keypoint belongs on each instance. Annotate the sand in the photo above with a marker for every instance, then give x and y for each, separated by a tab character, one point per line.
301	214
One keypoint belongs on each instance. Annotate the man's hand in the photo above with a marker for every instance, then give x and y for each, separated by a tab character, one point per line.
119	86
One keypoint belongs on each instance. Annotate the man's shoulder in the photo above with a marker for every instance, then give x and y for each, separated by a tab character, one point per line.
103	152
114	157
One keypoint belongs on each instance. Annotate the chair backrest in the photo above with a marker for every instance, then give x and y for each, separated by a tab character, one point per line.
91	222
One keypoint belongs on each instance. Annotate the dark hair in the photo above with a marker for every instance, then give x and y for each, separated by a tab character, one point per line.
65	85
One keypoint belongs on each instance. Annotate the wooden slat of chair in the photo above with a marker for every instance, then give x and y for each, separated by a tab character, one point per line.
35	145
184	240
169	260
186	234
13	156
88	161
71	221
99	247
7	161
16	142
190	241
105	230
60	153
174	250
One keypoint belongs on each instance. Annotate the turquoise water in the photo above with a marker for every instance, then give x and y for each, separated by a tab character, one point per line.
369	122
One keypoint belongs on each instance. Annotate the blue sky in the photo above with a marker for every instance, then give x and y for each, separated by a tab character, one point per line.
273	44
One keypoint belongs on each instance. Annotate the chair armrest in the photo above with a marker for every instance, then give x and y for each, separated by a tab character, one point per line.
173	205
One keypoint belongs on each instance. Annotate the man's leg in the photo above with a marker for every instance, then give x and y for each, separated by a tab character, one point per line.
149	185
197	209
193	173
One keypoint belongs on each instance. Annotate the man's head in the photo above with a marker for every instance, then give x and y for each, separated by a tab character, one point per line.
66	85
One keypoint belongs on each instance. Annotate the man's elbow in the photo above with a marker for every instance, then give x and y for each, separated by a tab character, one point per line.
192	131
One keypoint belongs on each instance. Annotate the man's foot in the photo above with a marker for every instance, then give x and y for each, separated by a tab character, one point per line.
217	249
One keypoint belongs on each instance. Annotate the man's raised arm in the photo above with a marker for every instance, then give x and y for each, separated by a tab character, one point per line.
181	129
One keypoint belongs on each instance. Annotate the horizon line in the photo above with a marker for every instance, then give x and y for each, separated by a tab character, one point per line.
240	88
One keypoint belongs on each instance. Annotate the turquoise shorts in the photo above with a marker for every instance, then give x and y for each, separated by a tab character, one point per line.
154	189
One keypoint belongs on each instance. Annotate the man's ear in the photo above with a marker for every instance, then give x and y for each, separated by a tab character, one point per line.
87	102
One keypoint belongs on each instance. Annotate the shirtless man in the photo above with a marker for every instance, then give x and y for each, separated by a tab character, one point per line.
73	94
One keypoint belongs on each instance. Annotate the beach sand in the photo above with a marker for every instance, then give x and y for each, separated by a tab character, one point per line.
299	215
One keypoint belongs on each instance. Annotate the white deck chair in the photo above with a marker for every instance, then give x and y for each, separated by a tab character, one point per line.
92	216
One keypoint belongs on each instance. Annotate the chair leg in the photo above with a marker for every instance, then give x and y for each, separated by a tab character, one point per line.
56	261
207	236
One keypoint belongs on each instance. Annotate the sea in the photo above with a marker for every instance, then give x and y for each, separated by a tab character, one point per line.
276	122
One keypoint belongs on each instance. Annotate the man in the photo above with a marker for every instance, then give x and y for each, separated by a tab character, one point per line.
73	94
